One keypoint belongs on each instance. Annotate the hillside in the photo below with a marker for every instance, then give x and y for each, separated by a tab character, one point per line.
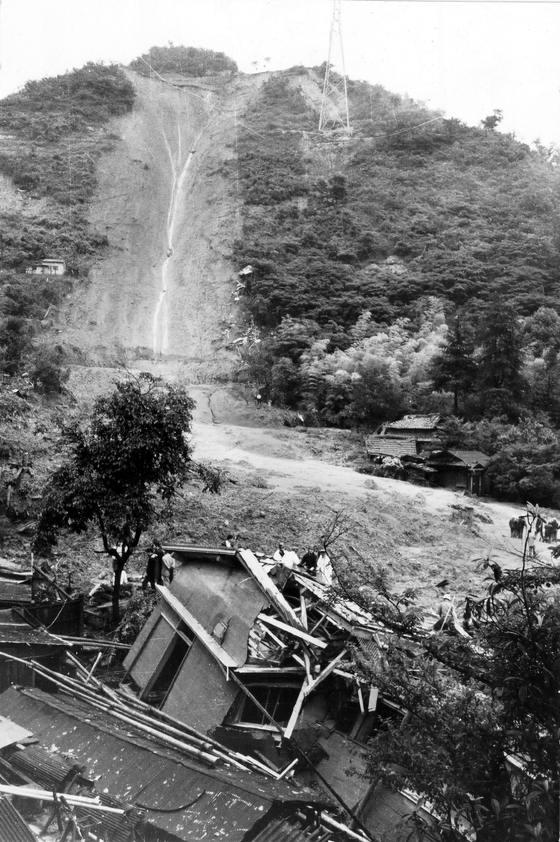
356	249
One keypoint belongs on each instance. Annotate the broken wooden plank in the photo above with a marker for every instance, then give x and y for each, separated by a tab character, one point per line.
74	800
302	635
303	608
273	636
292	722
206	639
270	590
326	672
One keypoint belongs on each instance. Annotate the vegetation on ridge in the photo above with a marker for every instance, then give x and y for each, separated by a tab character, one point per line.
187	61
54	131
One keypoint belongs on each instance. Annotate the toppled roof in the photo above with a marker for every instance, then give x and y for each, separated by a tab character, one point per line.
383	446
21	633
415	422
181	796
12	826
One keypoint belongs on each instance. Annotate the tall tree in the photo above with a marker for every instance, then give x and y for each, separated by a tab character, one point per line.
123	467
501	380
454	367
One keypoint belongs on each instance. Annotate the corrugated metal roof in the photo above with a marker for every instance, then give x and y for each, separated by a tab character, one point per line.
383	446
12	826
44	768
282	831
181	796
415	422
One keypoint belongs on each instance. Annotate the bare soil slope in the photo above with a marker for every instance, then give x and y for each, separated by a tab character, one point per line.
167	201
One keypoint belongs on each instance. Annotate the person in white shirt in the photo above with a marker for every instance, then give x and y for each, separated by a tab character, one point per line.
286	557
324	569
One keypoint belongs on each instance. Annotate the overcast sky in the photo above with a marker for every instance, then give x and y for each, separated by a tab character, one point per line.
467	58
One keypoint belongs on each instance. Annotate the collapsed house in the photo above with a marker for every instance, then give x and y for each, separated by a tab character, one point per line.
35	595
127	781
25	644
264	662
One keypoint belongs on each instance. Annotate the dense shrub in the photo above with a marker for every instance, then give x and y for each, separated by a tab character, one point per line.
188	61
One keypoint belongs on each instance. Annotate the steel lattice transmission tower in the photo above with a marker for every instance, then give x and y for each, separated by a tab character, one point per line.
334	106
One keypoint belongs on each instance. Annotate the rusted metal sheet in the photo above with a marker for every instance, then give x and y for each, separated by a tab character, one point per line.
12	826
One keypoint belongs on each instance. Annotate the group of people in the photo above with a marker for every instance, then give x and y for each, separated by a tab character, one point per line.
538	530
159	564
314	561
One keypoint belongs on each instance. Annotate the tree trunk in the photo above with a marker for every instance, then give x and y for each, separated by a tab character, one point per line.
119	567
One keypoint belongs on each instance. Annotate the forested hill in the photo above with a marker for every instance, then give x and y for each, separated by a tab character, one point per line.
410	267
420	253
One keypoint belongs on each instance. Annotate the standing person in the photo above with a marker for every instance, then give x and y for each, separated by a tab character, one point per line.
447	617
324	568
169	565
309	561
531	540
288	558
154	566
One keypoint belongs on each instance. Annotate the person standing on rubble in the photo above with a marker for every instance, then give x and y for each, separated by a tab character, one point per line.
309	561
154	567
288	558
324	568
169	565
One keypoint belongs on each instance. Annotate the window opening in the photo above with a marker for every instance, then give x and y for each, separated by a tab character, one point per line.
277	697
176	654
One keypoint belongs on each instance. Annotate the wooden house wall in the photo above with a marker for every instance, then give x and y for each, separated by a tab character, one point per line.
200	695
220	593
452	477
61	617
149	649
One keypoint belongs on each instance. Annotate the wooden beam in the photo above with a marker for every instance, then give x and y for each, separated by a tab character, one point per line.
205	638
270	590
303	608
325	673
254	669
302	635
292	722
